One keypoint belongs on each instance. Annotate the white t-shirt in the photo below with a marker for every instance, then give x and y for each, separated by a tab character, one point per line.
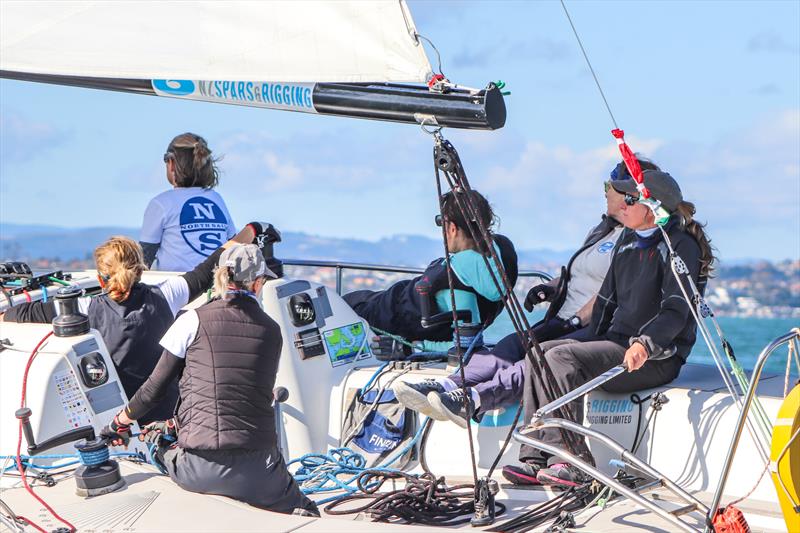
189	223
175	291
588	271
181	333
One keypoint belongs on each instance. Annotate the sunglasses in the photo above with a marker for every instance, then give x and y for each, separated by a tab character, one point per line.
168	156
631	199
438	220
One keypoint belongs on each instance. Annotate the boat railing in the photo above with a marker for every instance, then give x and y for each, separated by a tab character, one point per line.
341	266
786	338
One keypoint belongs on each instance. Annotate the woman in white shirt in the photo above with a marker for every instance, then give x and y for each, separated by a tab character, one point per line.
184	225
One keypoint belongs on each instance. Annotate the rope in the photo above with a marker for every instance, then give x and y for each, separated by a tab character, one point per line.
589	64
397	338
447	158
425	499
320	473
678	267
458	348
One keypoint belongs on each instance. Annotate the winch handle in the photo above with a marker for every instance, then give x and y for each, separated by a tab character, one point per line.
24	416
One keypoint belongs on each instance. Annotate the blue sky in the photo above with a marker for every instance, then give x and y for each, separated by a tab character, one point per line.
709	90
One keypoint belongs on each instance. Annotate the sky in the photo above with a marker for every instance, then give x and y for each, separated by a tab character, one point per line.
708	90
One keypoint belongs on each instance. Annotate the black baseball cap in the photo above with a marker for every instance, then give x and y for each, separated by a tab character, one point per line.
661	185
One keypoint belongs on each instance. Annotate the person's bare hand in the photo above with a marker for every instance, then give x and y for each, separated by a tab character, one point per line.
635	357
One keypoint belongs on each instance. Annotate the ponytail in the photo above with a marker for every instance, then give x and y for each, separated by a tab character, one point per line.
223	283
686	212
120	264
194	166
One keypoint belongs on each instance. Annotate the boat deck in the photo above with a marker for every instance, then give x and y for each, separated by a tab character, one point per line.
151	502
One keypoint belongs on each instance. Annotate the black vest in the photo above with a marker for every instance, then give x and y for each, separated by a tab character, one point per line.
227	382
131	331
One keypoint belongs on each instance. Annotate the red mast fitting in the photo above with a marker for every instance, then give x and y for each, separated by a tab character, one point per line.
630	161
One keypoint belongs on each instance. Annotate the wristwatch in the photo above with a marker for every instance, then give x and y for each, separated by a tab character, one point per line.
574	321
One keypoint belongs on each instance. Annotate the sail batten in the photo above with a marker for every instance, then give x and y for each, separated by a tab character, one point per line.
235	41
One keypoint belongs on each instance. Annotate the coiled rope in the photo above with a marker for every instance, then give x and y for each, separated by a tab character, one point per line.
425	499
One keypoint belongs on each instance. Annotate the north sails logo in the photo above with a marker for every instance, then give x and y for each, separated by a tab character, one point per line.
203	225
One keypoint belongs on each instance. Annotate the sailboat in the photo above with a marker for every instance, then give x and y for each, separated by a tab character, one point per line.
689	439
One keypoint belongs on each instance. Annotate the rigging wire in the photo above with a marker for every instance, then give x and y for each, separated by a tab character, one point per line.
438	55
459	351
448	160
589	63
736	368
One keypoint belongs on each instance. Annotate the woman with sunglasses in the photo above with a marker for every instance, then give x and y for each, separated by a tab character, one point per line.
495	377
184	225
640	318
399	309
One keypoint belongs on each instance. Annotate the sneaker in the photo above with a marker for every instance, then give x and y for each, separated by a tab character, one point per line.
450	406
561	475
415	395
524	474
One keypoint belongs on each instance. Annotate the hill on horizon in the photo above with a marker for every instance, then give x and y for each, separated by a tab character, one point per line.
27	242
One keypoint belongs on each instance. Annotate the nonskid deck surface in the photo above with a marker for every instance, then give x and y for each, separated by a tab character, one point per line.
152	502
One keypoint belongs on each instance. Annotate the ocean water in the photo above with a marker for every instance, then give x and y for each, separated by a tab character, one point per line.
748	336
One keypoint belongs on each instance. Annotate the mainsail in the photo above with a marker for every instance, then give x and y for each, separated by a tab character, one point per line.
338	57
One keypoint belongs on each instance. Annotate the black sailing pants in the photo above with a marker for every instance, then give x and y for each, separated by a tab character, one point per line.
574	363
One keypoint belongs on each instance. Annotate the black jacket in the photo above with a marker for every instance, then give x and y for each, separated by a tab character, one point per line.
606	226
640	299
398	310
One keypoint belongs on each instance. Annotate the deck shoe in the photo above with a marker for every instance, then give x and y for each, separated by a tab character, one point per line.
415	395
561	475
450	406
524	474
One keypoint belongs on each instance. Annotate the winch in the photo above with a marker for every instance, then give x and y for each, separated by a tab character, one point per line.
98	473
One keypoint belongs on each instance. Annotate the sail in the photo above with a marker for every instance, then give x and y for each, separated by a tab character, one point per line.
330	57
241	41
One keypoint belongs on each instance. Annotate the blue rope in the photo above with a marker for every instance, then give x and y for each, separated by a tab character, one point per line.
319	473
375	376
95	457
26	460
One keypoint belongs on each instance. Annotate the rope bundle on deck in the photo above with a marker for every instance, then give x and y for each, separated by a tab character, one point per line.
424	499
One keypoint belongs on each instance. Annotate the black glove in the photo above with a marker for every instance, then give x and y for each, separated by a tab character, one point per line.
386	348
265	233
116	432
538	294
160	433
266	236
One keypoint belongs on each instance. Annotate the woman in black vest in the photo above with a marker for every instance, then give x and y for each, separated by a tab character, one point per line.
132	316
398	309
226	353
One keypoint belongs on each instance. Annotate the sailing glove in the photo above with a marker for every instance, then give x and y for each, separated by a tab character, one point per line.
265	233
116	432
538	294
160	433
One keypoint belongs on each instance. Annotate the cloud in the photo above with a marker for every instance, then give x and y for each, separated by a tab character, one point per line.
771	42
504	51
767	89
745	182
24	139
317	159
